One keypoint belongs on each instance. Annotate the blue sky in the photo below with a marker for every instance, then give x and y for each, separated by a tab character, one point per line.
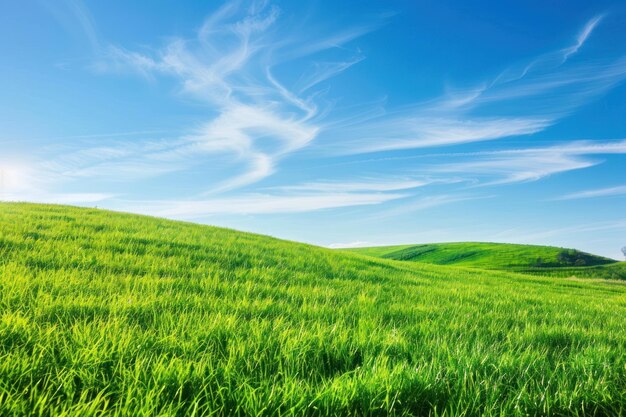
334	123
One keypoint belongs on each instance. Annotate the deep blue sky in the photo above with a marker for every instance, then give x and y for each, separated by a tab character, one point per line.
335	123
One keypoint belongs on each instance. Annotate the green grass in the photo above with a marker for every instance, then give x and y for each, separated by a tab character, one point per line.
609	271
113	314
533	259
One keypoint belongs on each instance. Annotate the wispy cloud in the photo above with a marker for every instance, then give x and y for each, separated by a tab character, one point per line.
338	39
522	100
258	204
297	198
229	65
74	16
600	192
423	202
323	71
421	131
373	184
355	244
258	114
117	161
582	37
550	60
82	15
530	164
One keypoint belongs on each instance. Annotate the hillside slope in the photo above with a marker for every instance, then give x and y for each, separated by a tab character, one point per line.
113	314
533	259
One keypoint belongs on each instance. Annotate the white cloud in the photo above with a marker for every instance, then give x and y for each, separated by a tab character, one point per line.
374	185
550	60
76	19
356	244
420	203
257	204
426	131
335	40
300	198
238	129
601	192
229	66
582	37
120	161
531	164
322	71
522	100
254	119
511	167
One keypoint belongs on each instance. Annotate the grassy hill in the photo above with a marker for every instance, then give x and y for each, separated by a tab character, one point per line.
105	313
544	260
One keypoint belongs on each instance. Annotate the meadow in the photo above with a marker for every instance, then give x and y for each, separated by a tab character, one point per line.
105	313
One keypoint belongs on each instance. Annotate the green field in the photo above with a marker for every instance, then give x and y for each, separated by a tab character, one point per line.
532	259
104	313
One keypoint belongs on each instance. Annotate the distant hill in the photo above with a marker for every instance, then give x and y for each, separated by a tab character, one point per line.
545	260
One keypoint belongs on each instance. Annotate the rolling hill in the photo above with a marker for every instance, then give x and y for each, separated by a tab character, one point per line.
533	259
105	313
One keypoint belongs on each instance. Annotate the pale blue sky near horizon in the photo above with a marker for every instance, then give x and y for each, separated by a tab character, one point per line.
351	123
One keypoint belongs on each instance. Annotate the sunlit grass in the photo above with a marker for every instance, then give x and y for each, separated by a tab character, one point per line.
113	314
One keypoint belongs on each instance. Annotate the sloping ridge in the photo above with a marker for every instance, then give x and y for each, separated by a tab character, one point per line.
54	237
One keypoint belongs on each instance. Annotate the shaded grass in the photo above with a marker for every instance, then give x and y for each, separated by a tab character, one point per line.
616	271
112	314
